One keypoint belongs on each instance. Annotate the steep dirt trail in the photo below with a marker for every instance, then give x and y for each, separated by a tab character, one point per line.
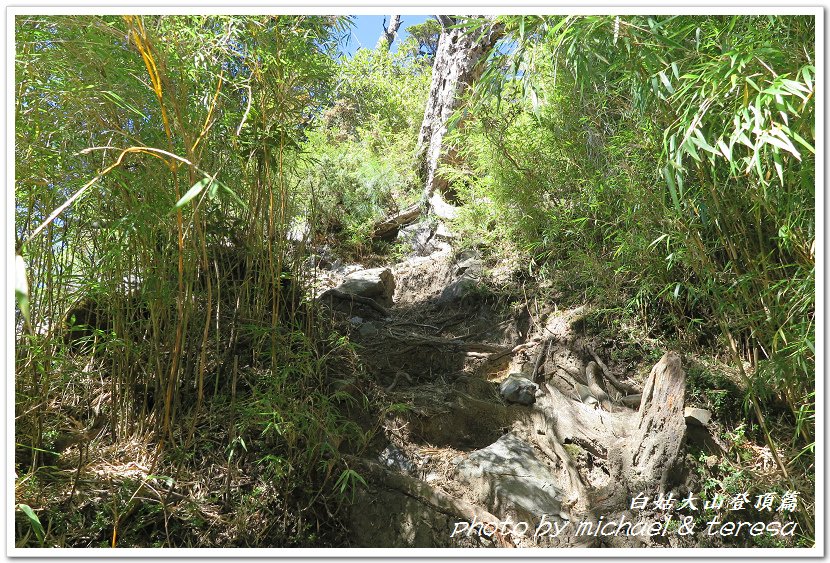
455	452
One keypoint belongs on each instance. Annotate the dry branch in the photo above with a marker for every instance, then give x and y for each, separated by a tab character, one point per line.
626	388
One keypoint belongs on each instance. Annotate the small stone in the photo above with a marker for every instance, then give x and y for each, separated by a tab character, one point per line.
518	389
459	290
375	283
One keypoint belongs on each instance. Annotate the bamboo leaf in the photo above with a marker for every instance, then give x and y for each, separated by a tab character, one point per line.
808	77
232	193
779	167
34	521
666	82
21	288
781	142
122	103
689	147
669	176
803	142
195	190
725	150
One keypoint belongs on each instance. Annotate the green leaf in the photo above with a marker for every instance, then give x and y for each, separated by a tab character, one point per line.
21	288
779	167
168	481
802	142
232	193
779	140
725	150
666	82
349	479
656	241
34	521
195	190
669	176
123	104
700	141
689	146
808	78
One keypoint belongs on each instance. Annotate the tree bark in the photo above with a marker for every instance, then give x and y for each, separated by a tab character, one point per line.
457	66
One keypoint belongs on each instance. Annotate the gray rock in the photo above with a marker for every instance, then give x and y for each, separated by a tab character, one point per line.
467	254
426	238
418	236
507	477
471	266
518	389
467	272
375	283
697	417
442	232
345	269
460	289
632	401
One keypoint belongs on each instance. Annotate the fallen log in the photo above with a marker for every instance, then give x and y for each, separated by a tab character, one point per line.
388	228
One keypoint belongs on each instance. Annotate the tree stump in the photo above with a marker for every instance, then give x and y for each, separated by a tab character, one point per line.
640	448
656	439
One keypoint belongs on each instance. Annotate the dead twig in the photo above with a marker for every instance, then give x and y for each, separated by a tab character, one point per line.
398	375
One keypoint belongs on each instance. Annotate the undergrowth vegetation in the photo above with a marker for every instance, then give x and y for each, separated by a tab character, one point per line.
168	148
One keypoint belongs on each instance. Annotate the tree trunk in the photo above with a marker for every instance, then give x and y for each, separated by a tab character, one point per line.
389	33
456	68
